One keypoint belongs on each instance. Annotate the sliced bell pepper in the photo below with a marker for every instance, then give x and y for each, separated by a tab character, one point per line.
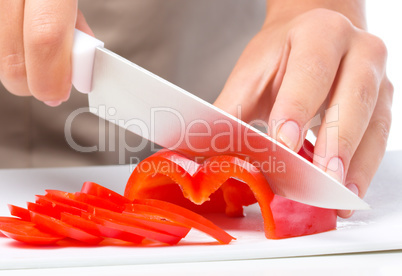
37	208
92	188
20	212
55	206
98	202
133	229
93	214
66	198
239	183
8	220
110	231
81	223
180	215
27	232
55	226
153	223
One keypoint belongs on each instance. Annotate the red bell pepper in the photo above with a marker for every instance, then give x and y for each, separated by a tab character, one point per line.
226	182
178	214
95	213
26	232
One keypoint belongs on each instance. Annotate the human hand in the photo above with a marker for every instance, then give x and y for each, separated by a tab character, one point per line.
300	65
36	39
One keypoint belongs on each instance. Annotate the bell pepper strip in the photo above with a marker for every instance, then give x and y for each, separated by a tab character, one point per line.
96	201
27	232
92	188
37	208
134	229
58	227
241	184
178	214
153	223
95	213
66	198
81	223
10	220
19	212
55	206
108	231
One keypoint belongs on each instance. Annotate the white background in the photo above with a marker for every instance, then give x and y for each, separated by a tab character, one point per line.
385	20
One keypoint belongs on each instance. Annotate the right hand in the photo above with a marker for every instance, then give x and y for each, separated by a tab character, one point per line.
36	38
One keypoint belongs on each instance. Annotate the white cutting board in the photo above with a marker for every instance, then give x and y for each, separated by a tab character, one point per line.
375	230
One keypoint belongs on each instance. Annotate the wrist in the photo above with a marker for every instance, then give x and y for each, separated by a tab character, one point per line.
286	10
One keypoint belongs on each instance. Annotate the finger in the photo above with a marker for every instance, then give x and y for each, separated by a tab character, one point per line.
251	77
310	72
371	149
12	66
354	98
48	38
82	24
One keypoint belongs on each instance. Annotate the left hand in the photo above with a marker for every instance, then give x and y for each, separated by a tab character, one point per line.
296	68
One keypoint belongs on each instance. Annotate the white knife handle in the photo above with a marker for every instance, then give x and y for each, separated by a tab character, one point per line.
83	56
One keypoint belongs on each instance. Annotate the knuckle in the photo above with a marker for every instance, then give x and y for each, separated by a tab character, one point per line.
338	23
377	46
381	126
332	22
364	174
366	95
13	67
346	146
388	89
45	30
300	109
316	69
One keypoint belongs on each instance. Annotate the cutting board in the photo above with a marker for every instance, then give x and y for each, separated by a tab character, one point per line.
378	229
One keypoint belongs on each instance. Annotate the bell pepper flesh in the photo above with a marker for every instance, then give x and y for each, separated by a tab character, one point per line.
229	183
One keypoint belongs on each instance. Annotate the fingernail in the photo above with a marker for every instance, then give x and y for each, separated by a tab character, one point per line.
353	188
53	103
348	213
289	134
335	168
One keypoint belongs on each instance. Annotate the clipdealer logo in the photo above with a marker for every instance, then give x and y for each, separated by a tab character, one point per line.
199	136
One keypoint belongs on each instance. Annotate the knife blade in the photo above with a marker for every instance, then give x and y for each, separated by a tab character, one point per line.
171	117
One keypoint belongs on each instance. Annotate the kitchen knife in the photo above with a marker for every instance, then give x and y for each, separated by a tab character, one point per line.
171	117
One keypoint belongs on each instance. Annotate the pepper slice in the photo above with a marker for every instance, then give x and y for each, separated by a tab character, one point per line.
92	188
81	223
109	231
20	212
89	216
96	201
37	208
55	206
152	222
58	227
133	229
8	220
66	198
178	214
27	232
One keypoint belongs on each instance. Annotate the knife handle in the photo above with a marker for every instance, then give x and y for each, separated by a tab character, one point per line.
83	55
